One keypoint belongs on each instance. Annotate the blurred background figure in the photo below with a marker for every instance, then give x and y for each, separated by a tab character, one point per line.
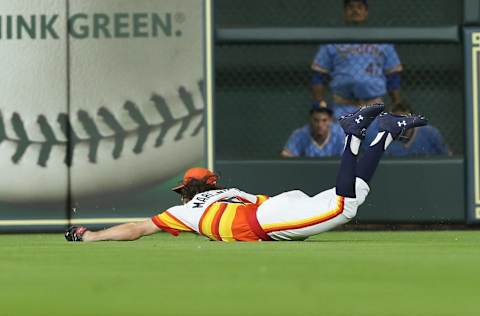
318	138
420	141
357	74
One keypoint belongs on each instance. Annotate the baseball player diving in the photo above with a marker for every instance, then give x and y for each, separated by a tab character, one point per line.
233	215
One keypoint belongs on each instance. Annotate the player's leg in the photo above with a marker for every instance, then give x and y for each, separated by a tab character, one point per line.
302	216
128	231
390	127
354	126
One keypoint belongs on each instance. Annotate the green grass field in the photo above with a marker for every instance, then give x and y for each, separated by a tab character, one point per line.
337	273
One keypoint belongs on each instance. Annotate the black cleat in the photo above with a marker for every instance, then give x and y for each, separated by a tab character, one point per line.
75	233
358	122
396	125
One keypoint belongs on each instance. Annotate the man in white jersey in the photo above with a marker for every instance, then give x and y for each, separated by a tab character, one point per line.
232	215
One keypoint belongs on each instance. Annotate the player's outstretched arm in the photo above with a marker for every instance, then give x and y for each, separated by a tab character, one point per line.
129	231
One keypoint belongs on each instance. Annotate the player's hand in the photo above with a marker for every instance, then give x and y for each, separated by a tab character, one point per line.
75	233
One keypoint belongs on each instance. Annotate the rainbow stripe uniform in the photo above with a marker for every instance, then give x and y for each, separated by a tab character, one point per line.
234	215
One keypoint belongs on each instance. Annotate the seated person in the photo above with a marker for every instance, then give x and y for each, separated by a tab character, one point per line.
319	138
419	141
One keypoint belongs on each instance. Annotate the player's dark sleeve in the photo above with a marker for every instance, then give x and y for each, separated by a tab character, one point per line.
320	78
394	81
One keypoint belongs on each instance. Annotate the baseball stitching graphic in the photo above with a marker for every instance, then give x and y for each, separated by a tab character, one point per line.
135	105
141	134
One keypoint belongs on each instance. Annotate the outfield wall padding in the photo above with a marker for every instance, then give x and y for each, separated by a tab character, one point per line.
402	191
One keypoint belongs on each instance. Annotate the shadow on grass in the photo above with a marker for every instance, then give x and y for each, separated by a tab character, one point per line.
341	240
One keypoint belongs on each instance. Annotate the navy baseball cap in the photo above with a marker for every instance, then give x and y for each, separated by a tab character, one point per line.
347	2
317	108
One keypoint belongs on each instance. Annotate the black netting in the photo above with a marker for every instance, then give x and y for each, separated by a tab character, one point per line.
311	13
263	93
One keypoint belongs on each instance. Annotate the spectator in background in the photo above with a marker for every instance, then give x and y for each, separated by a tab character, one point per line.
357	74
319	138
419	141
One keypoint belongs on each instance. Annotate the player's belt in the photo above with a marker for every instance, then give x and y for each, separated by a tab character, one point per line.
251	212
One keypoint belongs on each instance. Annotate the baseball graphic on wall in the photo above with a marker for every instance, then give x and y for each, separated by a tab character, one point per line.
98	97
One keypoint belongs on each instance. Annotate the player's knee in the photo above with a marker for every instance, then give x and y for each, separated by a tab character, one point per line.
353	212
361	191
350	209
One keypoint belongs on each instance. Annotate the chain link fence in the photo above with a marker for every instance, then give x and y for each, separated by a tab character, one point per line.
263	91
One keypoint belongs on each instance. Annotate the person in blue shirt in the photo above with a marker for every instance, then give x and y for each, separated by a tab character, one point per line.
419	141
357	74
319	138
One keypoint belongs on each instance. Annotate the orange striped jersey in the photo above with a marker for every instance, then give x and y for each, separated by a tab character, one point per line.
223	215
